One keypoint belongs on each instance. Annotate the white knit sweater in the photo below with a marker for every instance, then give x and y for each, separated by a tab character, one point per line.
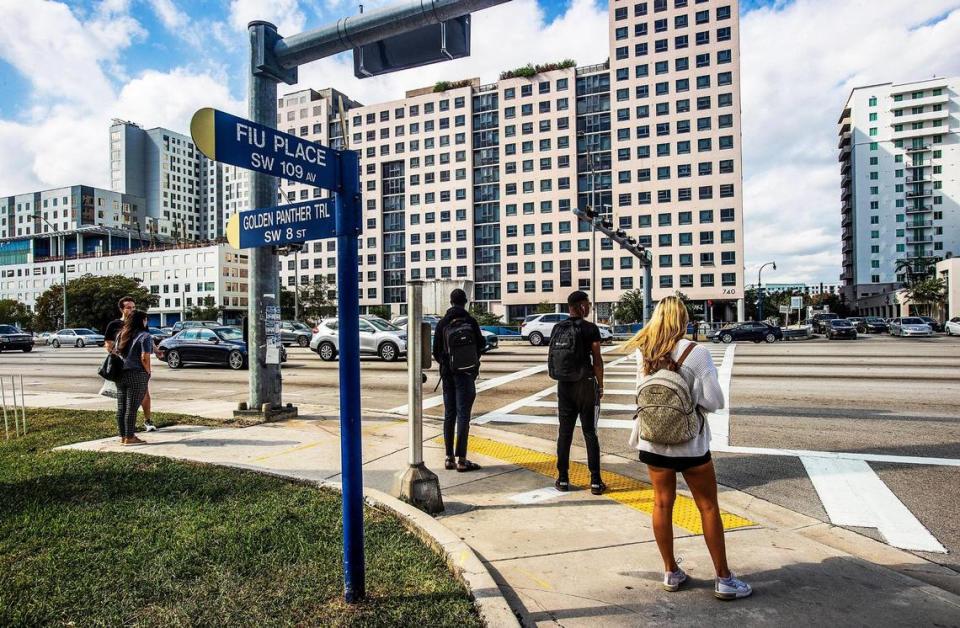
701	375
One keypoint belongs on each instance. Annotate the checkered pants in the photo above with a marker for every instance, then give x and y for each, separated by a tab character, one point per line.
131	389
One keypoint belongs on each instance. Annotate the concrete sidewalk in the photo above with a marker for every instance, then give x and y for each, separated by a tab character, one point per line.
576	559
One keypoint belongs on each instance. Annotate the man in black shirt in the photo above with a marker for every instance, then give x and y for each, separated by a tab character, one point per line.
459	386
127	307
581	398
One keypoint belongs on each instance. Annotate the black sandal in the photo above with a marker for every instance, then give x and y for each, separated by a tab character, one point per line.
449	464
466	465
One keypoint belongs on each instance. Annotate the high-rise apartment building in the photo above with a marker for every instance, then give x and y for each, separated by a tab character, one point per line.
900	190
676	155
181	186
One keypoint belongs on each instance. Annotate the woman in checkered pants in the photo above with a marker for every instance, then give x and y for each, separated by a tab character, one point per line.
135	346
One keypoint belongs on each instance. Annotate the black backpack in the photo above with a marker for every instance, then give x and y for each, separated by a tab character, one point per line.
567	361
461	345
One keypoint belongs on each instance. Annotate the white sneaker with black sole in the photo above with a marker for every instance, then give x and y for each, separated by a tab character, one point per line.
731	588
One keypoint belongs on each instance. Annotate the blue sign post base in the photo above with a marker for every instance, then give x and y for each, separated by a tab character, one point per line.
348	217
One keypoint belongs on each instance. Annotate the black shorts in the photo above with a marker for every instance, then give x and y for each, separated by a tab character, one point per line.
677	463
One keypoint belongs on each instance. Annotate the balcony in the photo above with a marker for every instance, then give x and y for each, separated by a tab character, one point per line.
846	193
922	209
907	134
844	154
847	249
919	224
920	240
912	194
918	149
920	179
942	99
910	118
845	169
846	221
923	163
844	140
845	180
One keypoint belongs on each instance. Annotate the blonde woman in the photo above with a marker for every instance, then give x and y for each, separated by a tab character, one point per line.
662	346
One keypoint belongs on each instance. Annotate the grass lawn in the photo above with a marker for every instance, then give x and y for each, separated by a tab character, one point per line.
110	539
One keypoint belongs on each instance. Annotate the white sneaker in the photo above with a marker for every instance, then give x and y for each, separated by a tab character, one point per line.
731	588
673	579
150	427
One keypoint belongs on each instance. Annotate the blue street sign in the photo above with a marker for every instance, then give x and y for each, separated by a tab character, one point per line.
240	142
275	226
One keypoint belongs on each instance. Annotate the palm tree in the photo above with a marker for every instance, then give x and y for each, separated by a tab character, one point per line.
930	291
905	267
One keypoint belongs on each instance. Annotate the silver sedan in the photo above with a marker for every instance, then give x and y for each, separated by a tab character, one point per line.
76	337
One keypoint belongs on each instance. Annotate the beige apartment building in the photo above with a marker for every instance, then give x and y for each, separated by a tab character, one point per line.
478	182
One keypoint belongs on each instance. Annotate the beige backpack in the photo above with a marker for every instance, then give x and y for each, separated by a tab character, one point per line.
666	413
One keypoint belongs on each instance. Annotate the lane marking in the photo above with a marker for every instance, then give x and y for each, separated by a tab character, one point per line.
620	488
854	495
537	495
720	420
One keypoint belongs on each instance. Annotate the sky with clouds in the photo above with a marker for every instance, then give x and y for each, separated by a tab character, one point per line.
68	67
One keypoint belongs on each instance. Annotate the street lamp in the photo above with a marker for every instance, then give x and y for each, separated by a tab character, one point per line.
760	289
63	254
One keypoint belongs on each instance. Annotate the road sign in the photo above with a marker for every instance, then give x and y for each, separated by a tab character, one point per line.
428	44
785	309
796	303
285	224
231	140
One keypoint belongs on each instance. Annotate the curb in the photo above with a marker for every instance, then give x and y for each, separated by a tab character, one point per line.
460	557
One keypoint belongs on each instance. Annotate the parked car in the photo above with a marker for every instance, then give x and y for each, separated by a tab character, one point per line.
158	334
491	340
76	337
872	325
909	326
207	345
757	332
841	328
296	333
377	337
819	321
433	319
953	326
181	325
935	325
43	338
538	328
12	338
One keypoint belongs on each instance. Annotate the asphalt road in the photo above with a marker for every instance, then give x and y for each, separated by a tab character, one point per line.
875	395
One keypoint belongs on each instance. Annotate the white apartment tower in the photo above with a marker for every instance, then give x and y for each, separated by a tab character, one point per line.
675	159
900	184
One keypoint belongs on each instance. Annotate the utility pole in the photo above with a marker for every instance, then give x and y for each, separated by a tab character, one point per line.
760	289
296	287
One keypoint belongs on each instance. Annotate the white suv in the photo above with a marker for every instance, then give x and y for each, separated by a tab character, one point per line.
538	328
377	337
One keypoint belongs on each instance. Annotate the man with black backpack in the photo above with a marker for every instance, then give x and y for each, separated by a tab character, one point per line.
577	365
457	345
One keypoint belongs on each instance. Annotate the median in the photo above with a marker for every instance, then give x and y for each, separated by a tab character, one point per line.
89	538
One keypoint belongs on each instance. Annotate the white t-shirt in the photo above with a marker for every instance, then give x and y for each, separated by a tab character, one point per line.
700	374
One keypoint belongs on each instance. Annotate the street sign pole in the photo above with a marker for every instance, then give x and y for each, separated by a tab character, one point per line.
264	283
348	217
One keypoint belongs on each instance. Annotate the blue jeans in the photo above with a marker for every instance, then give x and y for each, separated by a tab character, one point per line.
459	393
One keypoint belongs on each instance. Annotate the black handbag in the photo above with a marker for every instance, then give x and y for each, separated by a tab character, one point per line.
112	367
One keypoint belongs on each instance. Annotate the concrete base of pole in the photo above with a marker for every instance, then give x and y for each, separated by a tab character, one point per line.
246	416
420	487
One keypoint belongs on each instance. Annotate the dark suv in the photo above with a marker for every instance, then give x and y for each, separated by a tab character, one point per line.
11	338
296	333
819	321
841	328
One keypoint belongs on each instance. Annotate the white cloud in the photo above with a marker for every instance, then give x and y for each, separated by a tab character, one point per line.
286	15
799	63
171	17
580	34
61	134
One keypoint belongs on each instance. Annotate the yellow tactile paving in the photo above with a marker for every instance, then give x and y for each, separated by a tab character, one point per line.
626	490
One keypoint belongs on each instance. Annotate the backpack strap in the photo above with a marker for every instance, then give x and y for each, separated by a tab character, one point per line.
686	352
